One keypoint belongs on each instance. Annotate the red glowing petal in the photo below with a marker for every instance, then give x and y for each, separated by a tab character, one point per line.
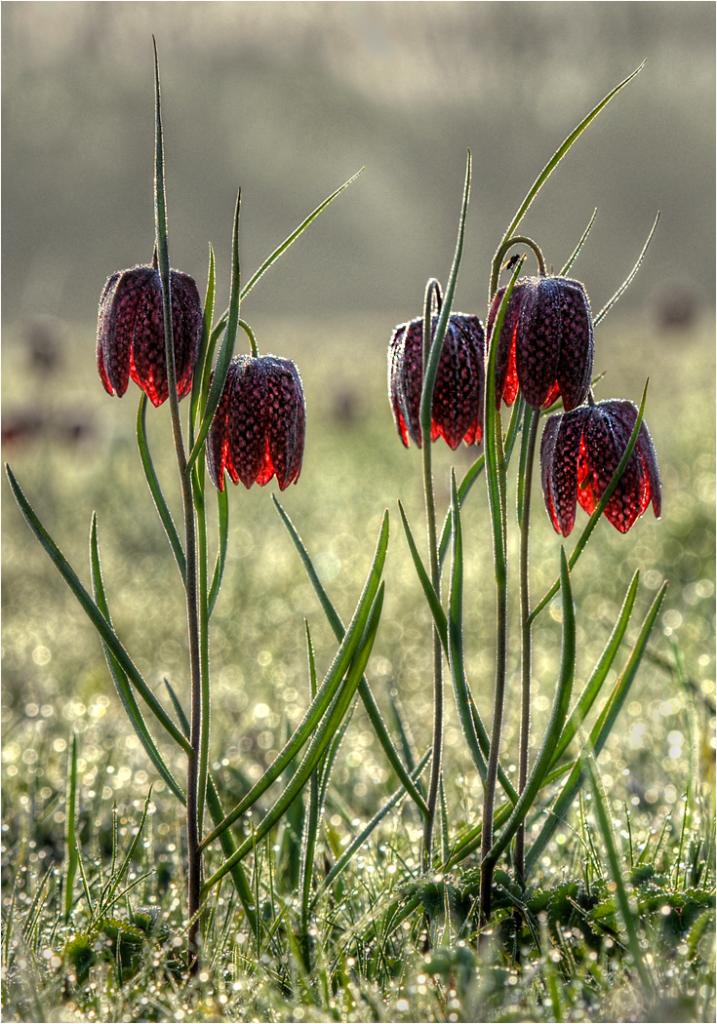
566	461
247	415
538	338
284	418
547	449
575	361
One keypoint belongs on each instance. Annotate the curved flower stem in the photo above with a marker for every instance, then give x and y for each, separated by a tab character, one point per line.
194	856
503	249
495	479
251	336
433	292
530	433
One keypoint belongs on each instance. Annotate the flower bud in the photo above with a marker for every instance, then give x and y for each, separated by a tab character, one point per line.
579	454
457	409
130	332
259	426
546	344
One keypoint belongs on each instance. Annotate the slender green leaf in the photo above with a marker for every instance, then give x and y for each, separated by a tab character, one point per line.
202	368
95	616
599	508
568	265
227	350
598	734
318	745
155	488
431	368
558	714
365	693
326	693
627	908
117	877
312	821
355	845
552	163
286	244
439	616
630	277
226	839
600	672
223	534
119	677
70	828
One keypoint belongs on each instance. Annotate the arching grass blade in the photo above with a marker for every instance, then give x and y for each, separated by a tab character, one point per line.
203	367
155	488
95	616
369	701
70	828
119	677
439	616
223	534
630	277
568	265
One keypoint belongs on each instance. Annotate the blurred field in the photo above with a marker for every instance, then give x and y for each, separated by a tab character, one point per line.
288	100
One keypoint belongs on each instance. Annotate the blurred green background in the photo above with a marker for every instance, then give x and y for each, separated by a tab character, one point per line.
287	100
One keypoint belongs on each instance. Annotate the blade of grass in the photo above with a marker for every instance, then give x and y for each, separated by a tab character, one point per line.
318	745
70	828
227	350
203	366
630	277
599	675
599	508
119	677
223	533
598	734
439	616
568	265
226	840
286	244
330	686
155	488
365	693
95	616
552	163
558	714
628	911
311	826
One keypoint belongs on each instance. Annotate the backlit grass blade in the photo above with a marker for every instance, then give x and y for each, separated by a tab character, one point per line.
311	824
599	508
116	880
552	163
223	534
630	277
226	840
439	616
600	672
70	829
119	677
227	350
355	845
330	686
286	244
203	367
598	734
627	909
316	750
369	701
431	368
95	616
568	265
155	488
558	714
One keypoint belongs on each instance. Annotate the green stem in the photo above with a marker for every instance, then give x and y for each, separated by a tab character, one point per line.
433	290
530	433
203	766
503	248
194	856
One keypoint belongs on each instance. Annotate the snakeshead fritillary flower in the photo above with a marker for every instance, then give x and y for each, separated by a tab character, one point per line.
546	344
259	426
130	332
457	412
579	453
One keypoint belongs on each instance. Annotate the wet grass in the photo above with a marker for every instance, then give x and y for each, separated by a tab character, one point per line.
617	923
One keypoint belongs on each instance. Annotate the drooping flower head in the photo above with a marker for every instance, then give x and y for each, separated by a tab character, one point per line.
579	454
259	426
545	348
457	411
130	332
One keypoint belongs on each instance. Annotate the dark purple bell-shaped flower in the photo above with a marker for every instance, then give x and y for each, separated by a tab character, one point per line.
457	411
579	454
130	332
259	426
545	348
